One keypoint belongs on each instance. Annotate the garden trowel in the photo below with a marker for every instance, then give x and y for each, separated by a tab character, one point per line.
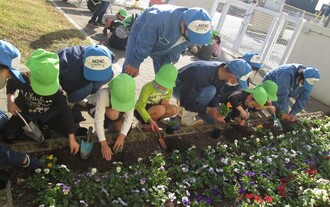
31	129
161	140
277	122
86	146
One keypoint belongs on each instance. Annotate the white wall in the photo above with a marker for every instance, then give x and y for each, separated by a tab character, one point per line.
313	48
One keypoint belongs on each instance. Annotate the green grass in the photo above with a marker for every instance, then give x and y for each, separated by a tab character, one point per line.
33	24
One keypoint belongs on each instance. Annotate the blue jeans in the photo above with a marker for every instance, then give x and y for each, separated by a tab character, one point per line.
100	11
204	97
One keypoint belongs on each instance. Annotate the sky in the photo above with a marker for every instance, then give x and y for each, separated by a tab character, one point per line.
321	2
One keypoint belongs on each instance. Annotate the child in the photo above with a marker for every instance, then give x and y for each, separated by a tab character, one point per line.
153	103
213	49
248	99
113	106
9	62
109	18
39	99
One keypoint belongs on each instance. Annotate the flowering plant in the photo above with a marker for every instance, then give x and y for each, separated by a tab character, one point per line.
290	169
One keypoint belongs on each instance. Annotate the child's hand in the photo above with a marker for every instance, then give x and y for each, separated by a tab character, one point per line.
74	146
244	115
106	151
153	125
119	144
271	109
165	102
12	107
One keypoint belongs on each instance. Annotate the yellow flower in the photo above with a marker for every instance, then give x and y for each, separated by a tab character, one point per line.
259	126
49	165
50	157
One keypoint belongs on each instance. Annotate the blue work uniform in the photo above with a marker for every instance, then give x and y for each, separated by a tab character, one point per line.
71	74
285	76
156	33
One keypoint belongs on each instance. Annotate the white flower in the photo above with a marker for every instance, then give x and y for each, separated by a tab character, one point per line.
308	148
224	160
122	202
236	170
251	157
286	160
118	169
140	159
269	160
258	161
257	140
284	151
65	167
244	138
218	170
38	170
225	146
94	170
236	141
46	170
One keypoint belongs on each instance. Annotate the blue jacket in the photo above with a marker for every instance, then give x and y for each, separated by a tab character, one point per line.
153	34
285	76
194	77
71	74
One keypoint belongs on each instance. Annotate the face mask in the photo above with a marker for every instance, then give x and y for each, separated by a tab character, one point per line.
160	90
231	84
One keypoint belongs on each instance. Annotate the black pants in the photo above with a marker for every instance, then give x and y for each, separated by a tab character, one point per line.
13	128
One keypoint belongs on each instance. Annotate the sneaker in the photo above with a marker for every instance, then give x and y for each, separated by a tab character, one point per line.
93	24
191	121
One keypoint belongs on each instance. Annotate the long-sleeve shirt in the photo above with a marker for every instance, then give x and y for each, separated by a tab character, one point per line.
285	76
155	33
195	76
101	100
150	95
41	107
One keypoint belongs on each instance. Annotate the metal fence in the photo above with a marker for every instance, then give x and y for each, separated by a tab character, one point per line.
251	27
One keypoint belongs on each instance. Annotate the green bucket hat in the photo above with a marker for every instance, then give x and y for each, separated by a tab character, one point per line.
122	96
271	89
123	12
44	69
259	95
166	76
215	33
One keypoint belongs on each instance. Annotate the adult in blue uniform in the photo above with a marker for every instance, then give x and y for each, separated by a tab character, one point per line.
293	80
84	70
163	32
200	84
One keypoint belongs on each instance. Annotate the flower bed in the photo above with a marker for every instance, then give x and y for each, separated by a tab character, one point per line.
291	169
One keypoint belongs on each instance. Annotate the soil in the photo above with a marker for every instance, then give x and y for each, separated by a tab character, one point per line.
132	151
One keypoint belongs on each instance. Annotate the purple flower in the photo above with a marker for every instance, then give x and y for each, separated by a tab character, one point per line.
143	181
209	201
215	191
77	182
241	190
97	178
264	175
249	173
185	201
252	183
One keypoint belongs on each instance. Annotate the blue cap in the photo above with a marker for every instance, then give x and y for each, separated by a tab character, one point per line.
253	58
10	57
198	24
241	69
97	63
311	76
